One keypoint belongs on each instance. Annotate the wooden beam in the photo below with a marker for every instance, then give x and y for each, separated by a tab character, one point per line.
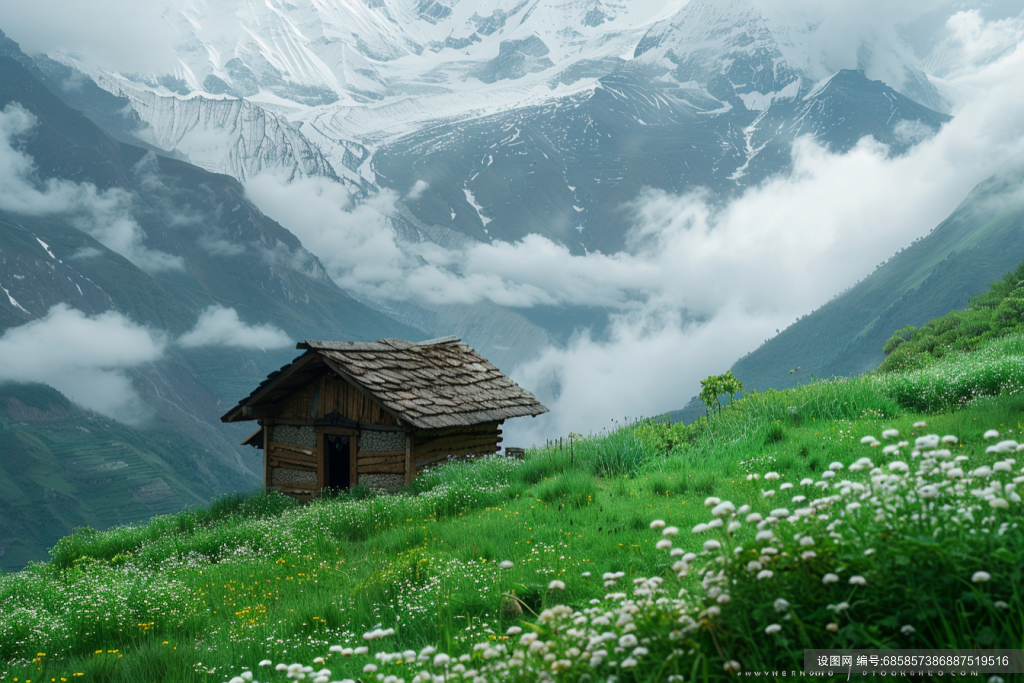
387	460
267	426
294	464
340	431
379	454
410	471
275	445
321	474
353	472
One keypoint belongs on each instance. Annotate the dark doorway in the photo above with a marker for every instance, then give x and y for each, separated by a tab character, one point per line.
337	456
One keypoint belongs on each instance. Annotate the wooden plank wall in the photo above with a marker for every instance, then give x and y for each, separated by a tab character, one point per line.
293	457
433	445
337	394
333	393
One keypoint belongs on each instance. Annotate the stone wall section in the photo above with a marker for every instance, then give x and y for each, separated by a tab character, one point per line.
296	436
287	475
381	442
387	482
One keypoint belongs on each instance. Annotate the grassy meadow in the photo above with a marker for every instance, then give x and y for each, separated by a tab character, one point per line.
651	552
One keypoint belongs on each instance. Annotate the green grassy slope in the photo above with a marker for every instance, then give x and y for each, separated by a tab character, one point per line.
206	594
62	468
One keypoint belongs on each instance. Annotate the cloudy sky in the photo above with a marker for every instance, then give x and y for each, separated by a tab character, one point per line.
773	254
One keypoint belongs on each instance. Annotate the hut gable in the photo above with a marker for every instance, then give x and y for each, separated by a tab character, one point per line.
429	385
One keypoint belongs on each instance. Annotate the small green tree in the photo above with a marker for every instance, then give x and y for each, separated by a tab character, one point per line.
716	385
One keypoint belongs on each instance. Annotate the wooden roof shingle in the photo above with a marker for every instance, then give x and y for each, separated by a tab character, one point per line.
427	385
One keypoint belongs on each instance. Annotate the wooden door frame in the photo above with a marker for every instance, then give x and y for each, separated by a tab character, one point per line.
353	437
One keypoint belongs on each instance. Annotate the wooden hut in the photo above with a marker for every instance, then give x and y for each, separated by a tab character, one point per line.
377	413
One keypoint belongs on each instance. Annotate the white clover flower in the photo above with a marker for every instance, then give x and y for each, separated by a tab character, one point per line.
732	666
628	640
808	555
868	439
506	564
768	494
711	501
712	545
920	425
764	535
441	659
715	523
754	518
786	486
833	627
983	471
806	482
771	476
807	540
773	628
663	544
890	449
829	578
836	466
781	605
670	531
907	630
734	526
700	528
780	513
1002	467
927	441
658	524
991	434
949	438
979	577
828	474
723	508
899	466
265	662
955	473
689	557
765	574
853	507
858	581
369	668
743	509
999	604
999	503
890	433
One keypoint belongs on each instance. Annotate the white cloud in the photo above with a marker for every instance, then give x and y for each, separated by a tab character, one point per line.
770	256
124	35
105	215
220	326
418	188
740	270
83	357
970	43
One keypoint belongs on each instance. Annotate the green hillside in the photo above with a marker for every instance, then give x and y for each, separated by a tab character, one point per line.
980	241
63	468
874	512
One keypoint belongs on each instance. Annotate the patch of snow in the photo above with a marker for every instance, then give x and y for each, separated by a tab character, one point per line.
479	209
11	299
47	248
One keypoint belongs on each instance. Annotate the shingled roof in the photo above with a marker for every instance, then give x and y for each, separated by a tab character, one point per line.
427	385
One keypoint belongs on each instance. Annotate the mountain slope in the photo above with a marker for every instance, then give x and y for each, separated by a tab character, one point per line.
566	169
117	229
979	242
